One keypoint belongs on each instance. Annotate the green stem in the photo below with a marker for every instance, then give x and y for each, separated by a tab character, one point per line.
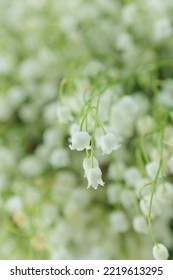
102	127
144	186
153	190
61	89
86	115
94	131
135	203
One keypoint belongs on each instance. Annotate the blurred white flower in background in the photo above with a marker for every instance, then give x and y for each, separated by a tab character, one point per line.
119	222
140	225
108	143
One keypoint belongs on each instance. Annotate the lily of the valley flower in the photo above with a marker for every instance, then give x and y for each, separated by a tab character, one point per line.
80	141
140	224
87	164
160	252
108	143
64	114
151	169
94	177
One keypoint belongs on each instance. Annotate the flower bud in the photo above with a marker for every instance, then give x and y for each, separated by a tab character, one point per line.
160	252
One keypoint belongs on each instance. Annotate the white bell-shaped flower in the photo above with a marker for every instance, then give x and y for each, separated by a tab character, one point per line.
64	114
108	143
129	175
126	199
140	225
59	158
74	128
80	141
14	204
113	193
151	169
119	222
87	164
94	177
160	252
145	206
164	193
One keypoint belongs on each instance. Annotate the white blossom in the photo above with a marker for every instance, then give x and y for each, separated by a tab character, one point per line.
145	124
152	169
145	205
94	177
160	252
108	143
87	164
74	128
140	224
126	199
113	193
30	166
119	221
164	193
59	158
64	114
129	175
41	180
80	141
14	204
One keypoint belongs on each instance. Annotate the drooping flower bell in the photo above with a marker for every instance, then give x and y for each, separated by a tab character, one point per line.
151	169
160	252
80	140
108	143
140	224
145	205
119	222
94	177
64	114
87	164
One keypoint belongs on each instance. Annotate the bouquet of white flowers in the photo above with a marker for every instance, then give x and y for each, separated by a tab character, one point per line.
86	112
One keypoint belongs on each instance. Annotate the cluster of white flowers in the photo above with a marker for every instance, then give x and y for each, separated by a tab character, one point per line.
80	141
86	101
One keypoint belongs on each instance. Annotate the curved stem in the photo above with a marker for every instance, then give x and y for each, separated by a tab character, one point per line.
63	82
94	131
153	190
102	127
86	115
